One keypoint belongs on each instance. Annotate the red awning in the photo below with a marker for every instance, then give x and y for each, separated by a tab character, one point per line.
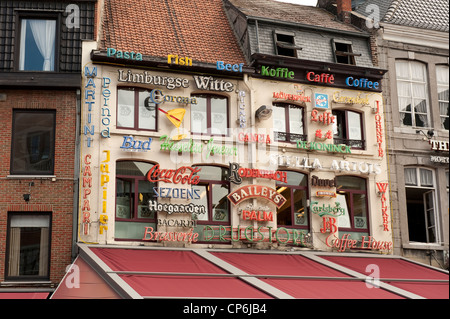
84	283
138	269
157	272
327	283
24	295
418	279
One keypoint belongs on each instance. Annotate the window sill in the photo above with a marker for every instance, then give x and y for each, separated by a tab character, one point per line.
49	177
425	246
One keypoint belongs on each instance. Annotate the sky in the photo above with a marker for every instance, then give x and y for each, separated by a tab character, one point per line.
302	2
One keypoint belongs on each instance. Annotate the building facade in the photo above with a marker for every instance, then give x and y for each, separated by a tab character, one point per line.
416	91
214	157
40	59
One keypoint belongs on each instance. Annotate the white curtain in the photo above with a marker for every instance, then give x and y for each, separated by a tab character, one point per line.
44	35
410	176
426	177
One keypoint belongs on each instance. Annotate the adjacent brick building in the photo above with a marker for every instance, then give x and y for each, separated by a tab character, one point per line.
40	62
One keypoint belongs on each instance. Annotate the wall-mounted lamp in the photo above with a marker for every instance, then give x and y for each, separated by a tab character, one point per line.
264	112
26	197
428	135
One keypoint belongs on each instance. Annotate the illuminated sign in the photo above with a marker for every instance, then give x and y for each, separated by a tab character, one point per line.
252	234
104	179
89	99
344	99
158	97
321	100
322	210
236	173
318	146
316	181
87	185
150	234
185	193
229	67
260	216
326	118
278	72
382	187
325	194
176	208
242	116
379	130
146	78
183	175
254	138
177	222
106	113
119	54
291	97
321	78
361	83
256	191
211	84
174	59
439	145
314	163
130	144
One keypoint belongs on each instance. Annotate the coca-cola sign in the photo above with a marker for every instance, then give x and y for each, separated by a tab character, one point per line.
183	175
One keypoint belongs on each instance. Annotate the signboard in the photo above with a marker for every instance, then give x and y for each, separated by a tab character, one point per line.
256	191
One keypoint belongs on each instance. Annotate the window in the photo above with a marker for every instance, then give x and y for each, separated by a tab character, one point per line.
412	93
210	115
343	52
421	205
285	44
352	196
37	45
133	191
212	191
294	212
442	83
288	123
28	246
134	109
33	142
348	129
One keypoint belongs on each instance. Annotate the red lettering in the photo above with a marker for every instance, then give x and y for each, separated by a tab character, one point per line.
174	176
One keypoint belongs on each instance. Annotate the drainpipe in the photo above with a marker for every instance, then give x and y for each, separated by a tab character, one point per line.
76	178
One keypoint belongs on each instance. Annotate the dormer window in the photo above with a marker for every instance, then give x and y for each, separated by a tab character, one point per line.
285	44
343	52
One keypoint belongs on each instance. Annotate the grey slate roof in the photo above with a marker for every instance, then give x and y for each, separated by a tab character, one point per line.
289	12
425	14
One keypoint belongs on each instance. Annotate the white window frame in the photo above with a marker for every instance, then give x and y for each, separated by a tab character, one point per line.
427	189
442	85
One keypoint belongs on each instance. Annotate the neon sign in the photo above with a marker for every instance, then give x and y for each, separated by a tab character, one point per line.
382	187
183	175
321	100
106	113
361	83
229	67
176	208
89	97
291	97
325	118
87	184
119	54
335	211
318	146
237	172
129	143
146	78
151	234
338	98
322	78
379	129
179	61
104	179
278	72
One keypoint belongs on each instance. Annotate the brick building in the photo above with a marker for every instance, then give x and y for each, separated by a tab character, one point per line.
40	62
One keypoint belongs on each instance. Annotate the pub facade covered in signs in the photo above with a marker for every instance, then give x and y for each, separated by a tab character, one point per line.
248	145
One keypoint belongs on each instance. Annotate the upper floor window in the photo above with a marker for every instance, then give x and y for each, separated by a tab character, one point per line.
288	123
421	208
412	93
442	85
134	109
348	129
210	115
285	44
352	196
343	52
294	212
37	45
33	142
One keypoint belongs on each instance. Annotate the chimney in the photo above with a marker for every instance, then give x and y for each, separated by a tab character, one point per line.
344	10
